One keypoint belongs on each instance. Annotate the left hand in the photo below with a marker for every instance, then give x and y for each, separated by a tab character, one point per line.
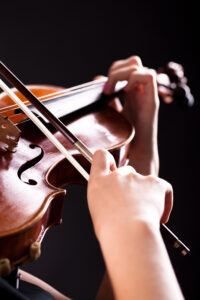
141	94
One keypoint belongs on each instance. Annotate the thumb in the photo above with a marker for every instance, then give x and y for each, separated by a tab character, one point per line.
102	163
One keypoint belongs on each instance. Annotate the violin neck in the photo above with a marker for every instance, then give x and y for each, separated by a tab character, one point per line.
76	100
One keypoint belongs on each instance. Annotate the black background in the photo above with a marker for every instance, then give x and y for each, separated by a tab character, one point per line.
69	42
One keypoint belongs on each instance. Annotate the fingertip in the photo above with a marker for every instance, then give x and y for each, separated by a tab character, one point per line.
103	161
113	165
98	77
106	88
135	59
100	159
99	153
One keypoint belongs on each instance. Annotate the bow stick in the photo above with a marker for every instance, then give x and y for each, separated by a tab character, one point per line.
178	244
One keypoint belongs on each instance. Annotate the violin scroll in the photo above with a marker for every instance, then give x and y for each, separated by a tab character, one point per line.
175	88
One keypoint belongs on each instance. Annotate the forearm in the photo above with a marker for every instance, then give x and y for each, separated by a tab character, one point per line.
135	273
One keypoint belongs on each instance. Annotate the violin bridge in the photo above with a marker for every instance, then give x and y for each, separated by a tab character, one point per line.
9	134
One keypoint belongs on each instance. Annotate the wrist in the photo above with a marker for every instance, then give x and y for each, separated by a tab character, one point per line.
137	228
143	154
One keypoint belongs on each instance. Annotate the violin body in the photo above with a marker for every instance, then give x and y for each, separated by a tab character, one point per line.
31	195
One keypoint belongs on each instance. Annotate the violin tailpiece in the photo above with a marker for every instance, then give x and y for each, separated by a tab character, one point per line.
9	134
5	267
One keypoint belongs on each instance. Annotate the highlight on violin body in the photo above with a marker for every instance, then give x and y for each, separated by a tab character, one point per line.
122	139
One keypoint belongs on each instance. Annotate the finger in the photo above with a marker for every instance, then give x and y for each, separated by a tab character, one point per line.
97	77
118	75
116	104
123	63
140	76
126	170
102	163
168	202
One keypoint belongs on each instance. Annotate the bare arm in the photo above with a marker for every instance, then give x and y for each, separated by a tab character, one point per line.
141	109
126	210
138	264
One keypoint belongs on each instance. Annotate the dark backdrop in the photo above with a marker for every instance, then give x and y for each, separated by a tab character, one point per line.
68	42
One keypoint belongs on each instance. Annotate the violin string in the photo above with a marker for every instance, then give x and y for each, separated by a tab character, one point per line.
74	88
164	229
178	244
44	129
55	122
55	95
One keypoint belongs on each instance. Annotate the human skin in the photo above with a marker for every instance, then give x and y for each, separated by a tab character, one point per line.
141	109
126	210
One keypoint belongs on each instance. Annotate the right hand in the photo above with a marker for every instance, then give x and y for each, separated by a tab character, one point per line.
118	197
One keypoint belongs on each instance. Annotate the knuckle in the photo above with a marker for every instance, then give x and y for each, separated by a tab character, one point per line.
154	179
126	171
134	59
132	176
112	73
166	185
133	72
115	64
134	68
115	176
153	72
131	170
150	76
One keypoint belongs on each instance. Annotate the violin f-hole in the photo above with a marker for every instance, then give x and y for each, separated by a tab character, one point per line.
27	165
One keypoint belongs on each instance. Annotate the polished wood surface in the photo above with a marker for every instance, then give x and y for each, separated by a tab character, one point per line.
31	197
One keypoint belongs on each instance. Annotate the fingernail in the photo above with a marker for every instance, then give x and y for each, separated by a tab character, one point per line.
105	88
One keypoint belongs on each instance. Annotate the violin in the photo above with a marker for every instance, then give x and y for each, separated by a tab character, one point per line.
33	171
